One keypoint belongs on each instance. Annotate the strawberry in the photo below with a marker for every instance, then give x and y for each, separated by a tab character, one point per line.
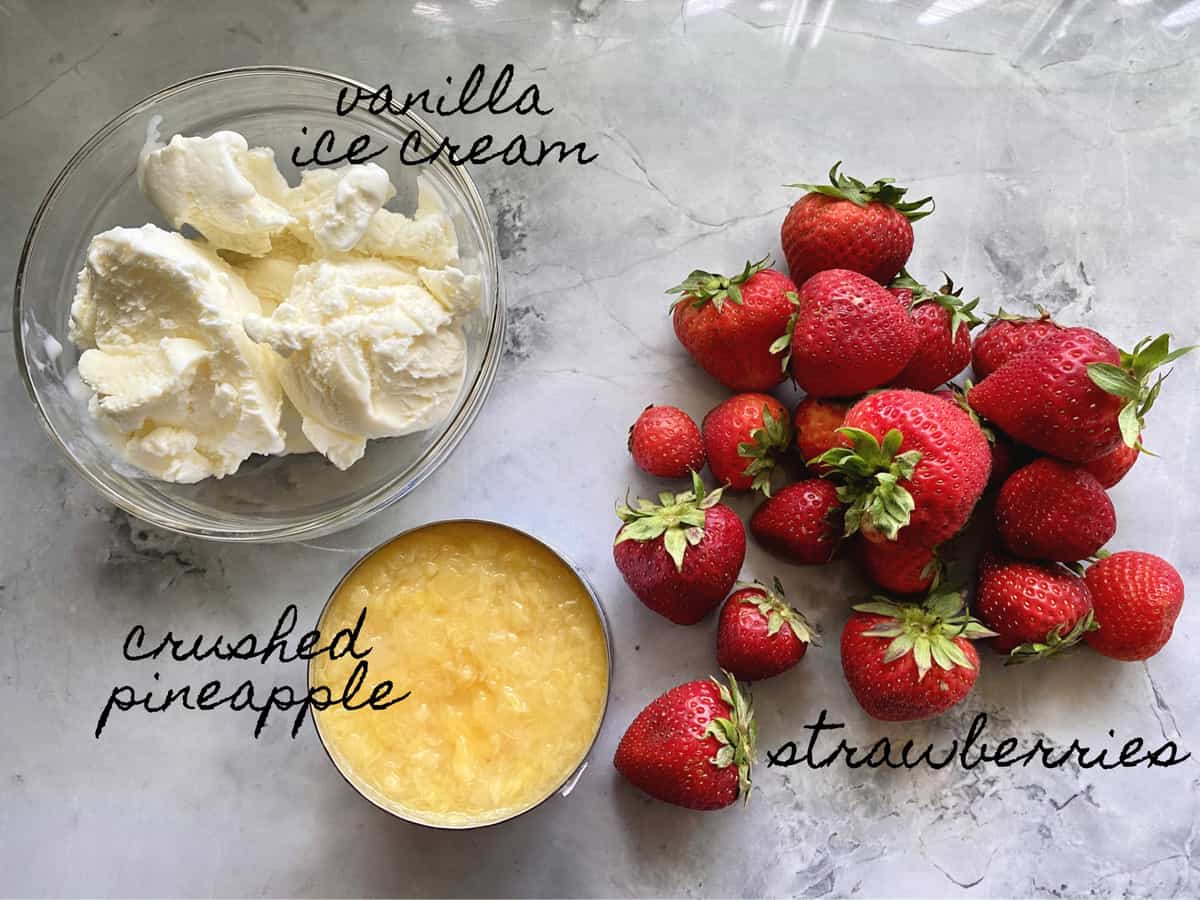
816	422
1137	597
693	746
944	324
902	566
1052	510
848	335
1037	609
1114	465
847	224
731	324
1006	336
911	461
911	661
682	556
744	437
759	635
1075	396
1006	455
802	523
665	442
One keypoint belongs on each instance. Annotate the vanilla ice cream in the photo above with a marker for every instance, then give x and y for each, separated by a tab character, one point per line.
232	195
428	238
175	380
270	277
370	350
334	207
309	317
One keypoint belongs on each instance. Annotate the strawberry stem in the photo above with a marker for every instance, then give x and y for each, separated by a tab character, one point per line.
872	473
764	448
883	190
1003	316
772	603
783	343
1055	644
1131	382
677	518
701	287
926	630
737	734
947	297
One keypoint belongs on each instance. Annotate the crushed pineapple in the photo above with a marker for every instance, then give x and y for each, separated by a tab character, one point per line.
505	656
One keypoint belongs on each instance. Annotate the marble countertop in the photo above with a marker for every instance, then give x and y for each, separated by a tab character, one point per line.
1059	139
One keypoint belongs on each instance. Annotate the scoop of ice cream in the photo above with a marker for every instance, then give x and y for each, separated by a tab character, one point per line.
308	317
369	352
270	277
175	380
334	207
428	238
231	194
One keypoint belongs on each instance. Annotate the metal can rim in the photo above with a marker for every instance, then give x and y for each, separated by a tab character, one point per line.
572	775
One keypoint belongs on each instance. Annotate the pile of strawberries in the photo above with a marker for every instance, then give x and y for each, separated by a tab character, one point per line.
897	460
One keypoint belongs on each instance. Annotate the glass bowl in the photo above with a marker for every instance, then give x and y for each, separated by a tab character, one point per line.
268	498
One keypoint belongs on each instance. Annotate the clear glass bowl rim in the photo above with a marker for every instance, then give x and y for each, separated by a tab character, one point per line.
395	488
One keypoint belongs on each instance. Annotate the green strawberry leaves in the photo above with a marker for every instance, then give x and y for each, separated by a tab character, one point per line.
763	449
783	343
1002	316
884	190
926	630
1130	381
947	297
1055	644
702	287
677	518
772	603
736	735
1113	380
872	472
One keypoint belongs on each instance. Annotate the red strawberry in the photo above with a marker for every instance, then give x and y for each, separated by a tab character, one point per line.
944	326
693	746
1137	597
680	557
665	442
1074	396
1006	336
849	335
902	566
730	324
847	224
1006	456
802	523
816	422
744	437
1052	510
759	635
912	461
1114	465
911	661
1037	609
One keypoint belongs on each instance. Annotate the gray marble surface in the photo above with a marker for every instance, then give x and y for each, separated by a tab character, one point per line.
1060	142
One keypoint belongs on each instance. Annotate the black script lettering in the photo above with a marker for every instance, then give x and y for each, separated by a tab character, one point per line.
324	150
971	752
